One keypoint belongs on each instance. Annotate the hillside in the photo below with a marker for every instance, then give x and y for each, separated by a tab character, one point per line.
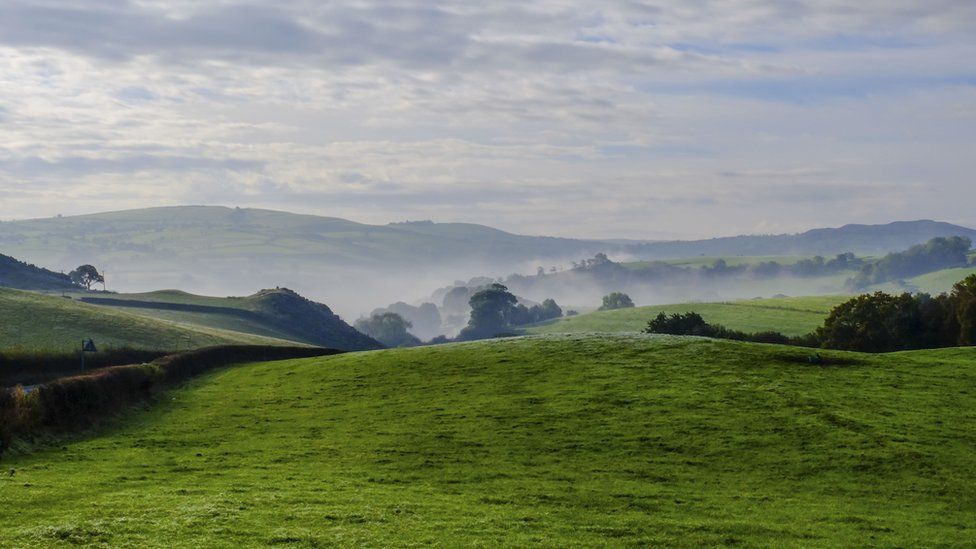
24	276
558	441
279	313
859	239
790	316
356	267
215	250
32	321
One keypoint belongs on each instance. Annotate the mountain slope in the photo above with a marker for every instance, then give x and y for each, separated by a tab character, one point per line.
557	441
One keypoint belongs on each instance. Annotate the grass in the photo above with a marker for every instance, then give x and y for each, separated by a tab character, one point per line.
789	315
35	322
555	440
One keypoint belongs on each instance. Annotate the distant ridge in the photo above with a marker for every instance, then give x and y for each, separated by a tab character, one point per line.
357	267
860	239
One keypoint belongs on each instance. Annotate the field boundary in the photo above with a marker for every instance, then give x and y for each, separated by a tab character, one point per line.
74	403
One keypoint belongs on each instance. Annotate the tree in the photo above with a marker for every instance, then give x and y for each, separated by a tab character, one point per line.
550	309
963	303
390	329
874	323
86	275
492	312
616	300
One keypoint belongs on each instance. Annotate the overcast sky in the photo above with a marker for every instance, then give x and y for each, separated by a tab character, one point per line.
591	119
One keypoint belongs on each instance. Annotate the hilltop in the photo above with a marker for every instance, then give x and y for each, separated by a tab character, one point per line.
568	440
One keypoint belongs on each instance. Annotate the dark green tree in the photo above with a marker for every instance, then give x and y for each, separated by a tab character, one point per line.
963	313
492	312
86	275
874	323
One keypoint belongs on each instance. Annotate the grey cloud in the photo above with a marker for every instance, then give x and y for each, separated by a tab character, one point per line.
80	165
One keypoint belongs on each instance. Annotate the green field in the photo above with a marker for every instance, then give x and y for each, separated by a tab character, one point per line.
553	440
32	321
788	315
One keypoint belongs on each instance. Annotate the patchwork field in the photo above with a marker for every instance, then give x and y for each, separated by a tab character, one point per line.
554	440
789	315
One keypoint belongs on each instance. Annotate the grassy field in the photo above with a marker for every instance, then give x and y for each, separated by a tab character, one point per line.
553	440
33	321
788	315
277	313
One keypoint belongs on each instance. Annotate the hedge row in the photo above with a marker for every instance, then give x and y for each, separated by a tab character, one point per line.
78	402
28	367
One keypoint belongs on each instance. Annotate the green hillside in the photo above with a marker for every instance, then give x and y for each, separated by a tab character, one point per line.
31	321
789	315
279	313
555	440
24	276
933	283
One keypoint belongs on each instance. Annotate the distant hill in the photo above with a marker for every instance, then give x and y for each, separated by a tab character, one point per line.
355	267
215	250
24	276
280	313
859	239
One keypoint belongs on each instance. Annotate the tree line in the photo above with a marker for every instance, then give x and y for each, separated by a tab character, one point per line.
874	323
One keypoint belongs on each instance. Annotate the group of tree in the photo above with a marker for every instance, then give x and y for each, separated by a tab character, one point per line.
388	328
425	319
616	300
877	322
495	311
936	254
808	267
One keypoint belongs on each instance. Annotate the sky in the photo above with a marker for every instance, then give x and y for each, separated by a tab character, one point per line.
626	119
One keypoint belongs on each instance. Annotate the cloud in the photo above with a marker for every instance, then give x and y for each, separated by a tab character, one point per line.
625	118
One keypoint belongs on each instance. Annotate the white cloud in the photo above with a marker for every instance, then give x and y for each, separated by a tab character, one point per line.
615	119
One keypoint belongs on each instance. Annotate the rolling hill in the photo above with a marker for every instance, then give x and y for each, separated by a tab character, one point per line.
32	321
278	313
869	240
554	440
790	316
357	267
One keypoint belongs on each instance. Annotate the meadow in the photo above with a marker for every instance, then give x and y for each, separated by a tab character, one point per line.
34	322
561	440
790	316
